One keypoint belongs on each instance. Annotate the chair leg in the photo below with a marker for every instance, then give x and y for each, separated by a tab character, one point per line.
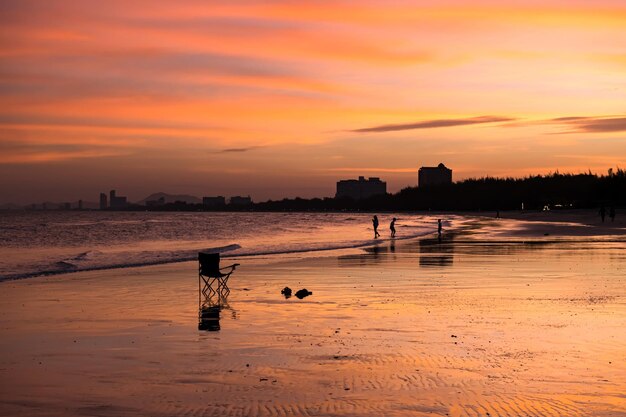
212	290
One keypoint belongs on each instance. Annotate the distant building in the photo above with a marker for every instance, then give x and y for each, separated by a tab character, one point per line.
361	188
213	202
156	203
103	201
240	201
115	201
429	176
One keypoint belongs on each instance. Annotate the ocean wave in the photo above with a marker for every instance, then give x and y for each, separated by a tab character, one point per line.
65	266
94	260
47	243
128	259
86	255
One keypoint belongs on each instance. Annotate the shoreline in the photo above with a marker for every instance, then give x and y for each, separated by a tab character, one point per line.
511	226
457	328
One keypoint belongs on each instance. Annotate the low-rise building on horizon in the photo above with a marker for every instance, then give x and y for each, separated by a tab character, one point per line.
240	201
214	202
360	189
433	176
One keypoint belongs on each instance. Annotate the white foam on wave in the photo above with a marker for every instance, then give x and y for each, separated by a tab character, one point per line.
51	243
93	260
98	260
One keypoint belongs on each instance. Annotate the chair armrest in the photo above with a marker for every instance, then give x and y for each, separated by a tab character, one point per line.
233	266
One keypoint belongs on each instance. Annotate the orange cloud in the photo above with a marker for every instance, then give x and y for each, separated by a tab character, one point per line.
126	85
431	124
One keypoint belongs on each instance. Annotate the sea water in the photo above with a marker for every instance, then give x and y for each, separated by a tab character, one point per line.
49	242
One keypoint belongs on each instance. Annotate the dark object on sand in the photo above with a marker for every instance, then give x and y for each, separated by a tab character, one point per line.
303	293
286	292
212	290
210	270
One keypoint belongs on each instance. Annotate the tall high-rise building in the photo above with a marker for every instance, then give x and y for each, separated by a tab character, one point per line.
430	176
103	201
115	201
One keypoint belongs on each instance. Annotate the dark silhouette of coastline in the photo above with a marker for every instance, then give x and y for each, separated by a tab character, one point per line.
557	191
554	191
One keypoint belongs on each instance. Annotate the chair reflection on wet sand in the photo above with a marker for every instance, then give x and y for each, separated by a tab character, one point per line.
212	290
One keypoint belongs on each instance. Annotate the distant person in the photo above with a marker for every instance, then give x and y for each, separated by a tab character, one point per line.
392	227
497	214
375	223
612	213
602	212
439	227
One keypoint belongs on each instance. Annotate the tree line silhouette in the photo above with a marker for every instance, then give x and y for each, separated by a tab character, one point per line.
535	192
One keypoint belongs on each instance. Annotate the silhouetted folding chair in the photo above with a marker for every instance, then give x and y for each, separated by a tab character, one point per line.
211	274
212	296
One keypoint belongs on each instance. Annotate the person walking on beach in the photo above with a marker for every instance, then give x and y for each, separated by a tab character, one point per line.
612	213
602	212
375	223
439	227
392	227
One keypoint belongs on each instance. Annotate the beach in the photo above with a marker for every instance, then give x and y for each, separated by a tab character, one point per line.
500	317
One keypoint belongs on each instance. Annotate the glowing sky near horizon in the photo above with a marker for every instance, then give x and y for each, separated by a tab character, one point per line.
276	99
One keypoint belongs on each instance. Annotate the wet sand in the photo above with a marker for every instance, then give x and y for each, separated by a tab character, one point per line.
520	325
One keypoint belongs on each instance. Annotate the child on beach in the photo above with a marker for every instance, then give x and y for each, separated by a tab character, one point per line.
392	227
375	223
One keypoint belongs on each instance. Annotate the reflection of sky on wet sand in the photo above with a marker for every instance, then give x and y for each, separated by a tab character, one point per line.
508	329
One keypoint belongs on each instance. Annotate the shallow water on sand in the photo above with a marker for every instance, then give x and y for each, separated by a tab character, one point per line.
454	328
48	242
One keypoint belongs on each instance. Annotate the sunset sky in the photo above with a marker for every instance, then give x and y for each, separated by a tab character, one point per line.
282	99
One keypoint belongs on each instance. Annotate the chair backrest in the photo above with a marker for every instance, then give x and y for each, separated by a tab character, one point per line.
209	264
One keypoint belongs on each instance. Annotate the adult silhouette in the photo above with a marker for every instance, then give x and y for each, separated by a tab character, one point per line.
392	227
